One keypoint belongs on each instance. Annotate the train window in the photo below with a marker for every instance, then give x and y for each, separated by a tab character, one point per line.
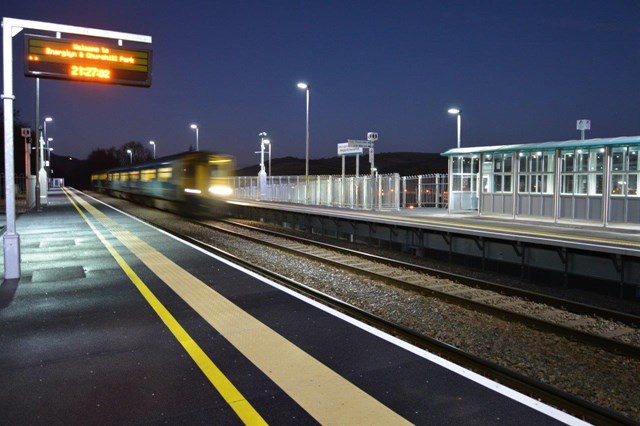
165	174
214	170
148	175
134	176
124	176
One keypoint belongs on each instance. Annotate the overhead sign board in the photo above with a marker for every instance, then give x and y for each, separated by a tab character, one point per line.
583	125
359	144
87	61
346	149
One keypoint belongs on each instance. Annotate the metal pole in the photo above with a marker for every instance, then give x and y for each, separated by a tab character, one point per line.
269	173
11	239
306	168
38	207
197	140
459	126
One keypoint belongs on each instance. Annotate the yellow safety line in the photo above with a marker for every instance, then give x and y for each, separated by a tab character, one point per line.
527	233
324	394
223	385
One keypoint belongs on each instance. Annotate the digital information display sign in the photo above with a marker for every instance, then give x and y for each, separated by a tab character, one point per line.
81	60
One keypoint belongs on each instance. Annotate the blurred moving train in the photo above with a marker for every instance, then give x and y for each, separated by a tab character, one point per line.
195	182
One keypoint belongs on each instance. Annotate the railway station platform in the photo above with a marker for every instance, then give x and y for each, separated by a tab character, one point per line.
114	321
565	254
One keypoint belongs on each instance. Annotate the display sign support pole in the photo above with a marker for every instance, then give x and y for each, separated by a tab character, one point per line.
10	28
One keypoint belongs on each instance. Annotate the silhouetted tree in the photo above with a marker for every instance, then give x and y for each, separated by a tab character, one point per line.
102	159
139	153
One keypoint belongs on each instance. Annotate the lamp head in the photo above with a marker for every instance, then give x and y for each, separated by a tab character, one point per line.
303	86
194	126
453	111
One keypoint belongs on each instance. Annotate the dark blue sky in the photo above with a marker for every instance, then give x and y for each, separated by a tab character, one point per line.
521	71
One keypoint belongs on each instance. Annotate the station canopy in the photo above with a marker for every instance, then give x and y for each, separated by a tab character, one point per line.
546	146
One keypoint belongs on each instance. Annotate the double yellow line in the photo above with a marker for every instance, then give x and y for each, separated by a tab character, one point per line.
223	385
324	394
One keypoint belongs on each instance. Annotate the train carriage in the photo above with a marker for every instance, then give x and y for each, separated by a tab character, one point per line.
195	182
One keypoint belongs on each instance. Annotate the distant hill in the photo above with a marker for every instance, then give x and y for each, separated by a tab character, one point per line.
404	163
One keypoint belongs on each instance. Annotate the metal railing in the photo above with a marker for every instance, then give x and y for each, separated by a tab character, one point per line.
425	191
20	182
381	192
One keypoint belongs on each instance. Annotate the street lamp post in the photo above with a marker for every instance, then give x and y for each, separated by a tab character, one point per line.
154	149
262	175
305	86
43	176
195	126
46	120
263	141
457	112
130	156
49	152
268	142
43	164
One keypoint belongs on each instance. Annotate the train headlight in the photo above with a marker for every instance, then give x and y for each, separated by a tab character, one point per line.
192	191
221	190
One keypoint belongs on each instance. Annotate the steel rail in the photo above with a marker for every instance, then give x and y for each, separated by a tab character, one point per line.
548	394
568	305
591	339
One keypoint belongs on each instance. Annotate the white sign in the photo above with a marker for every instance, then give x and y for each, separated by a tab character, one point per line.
583	125
26	132
372	136
359	144
346	149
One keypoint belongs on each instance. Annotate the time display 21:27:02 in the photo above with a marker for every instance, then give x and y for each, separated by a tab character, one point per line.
90	72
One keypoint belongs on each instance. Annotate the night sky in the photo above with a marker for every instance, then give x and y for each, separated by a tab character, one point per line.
520	71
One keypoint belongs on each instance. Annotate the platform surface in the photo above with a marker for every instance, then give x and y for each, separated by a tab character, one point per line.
116	322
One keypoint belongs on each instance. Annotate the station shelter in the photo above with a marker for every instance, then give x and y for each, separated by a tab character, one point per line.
593	180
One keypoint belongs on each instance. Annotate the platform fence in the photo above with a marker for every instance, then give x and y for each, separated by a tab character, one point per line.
20	182
381	192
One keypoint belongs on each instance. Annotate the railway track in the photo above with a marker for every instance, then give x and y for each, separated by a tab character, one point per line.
566	401
609	330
